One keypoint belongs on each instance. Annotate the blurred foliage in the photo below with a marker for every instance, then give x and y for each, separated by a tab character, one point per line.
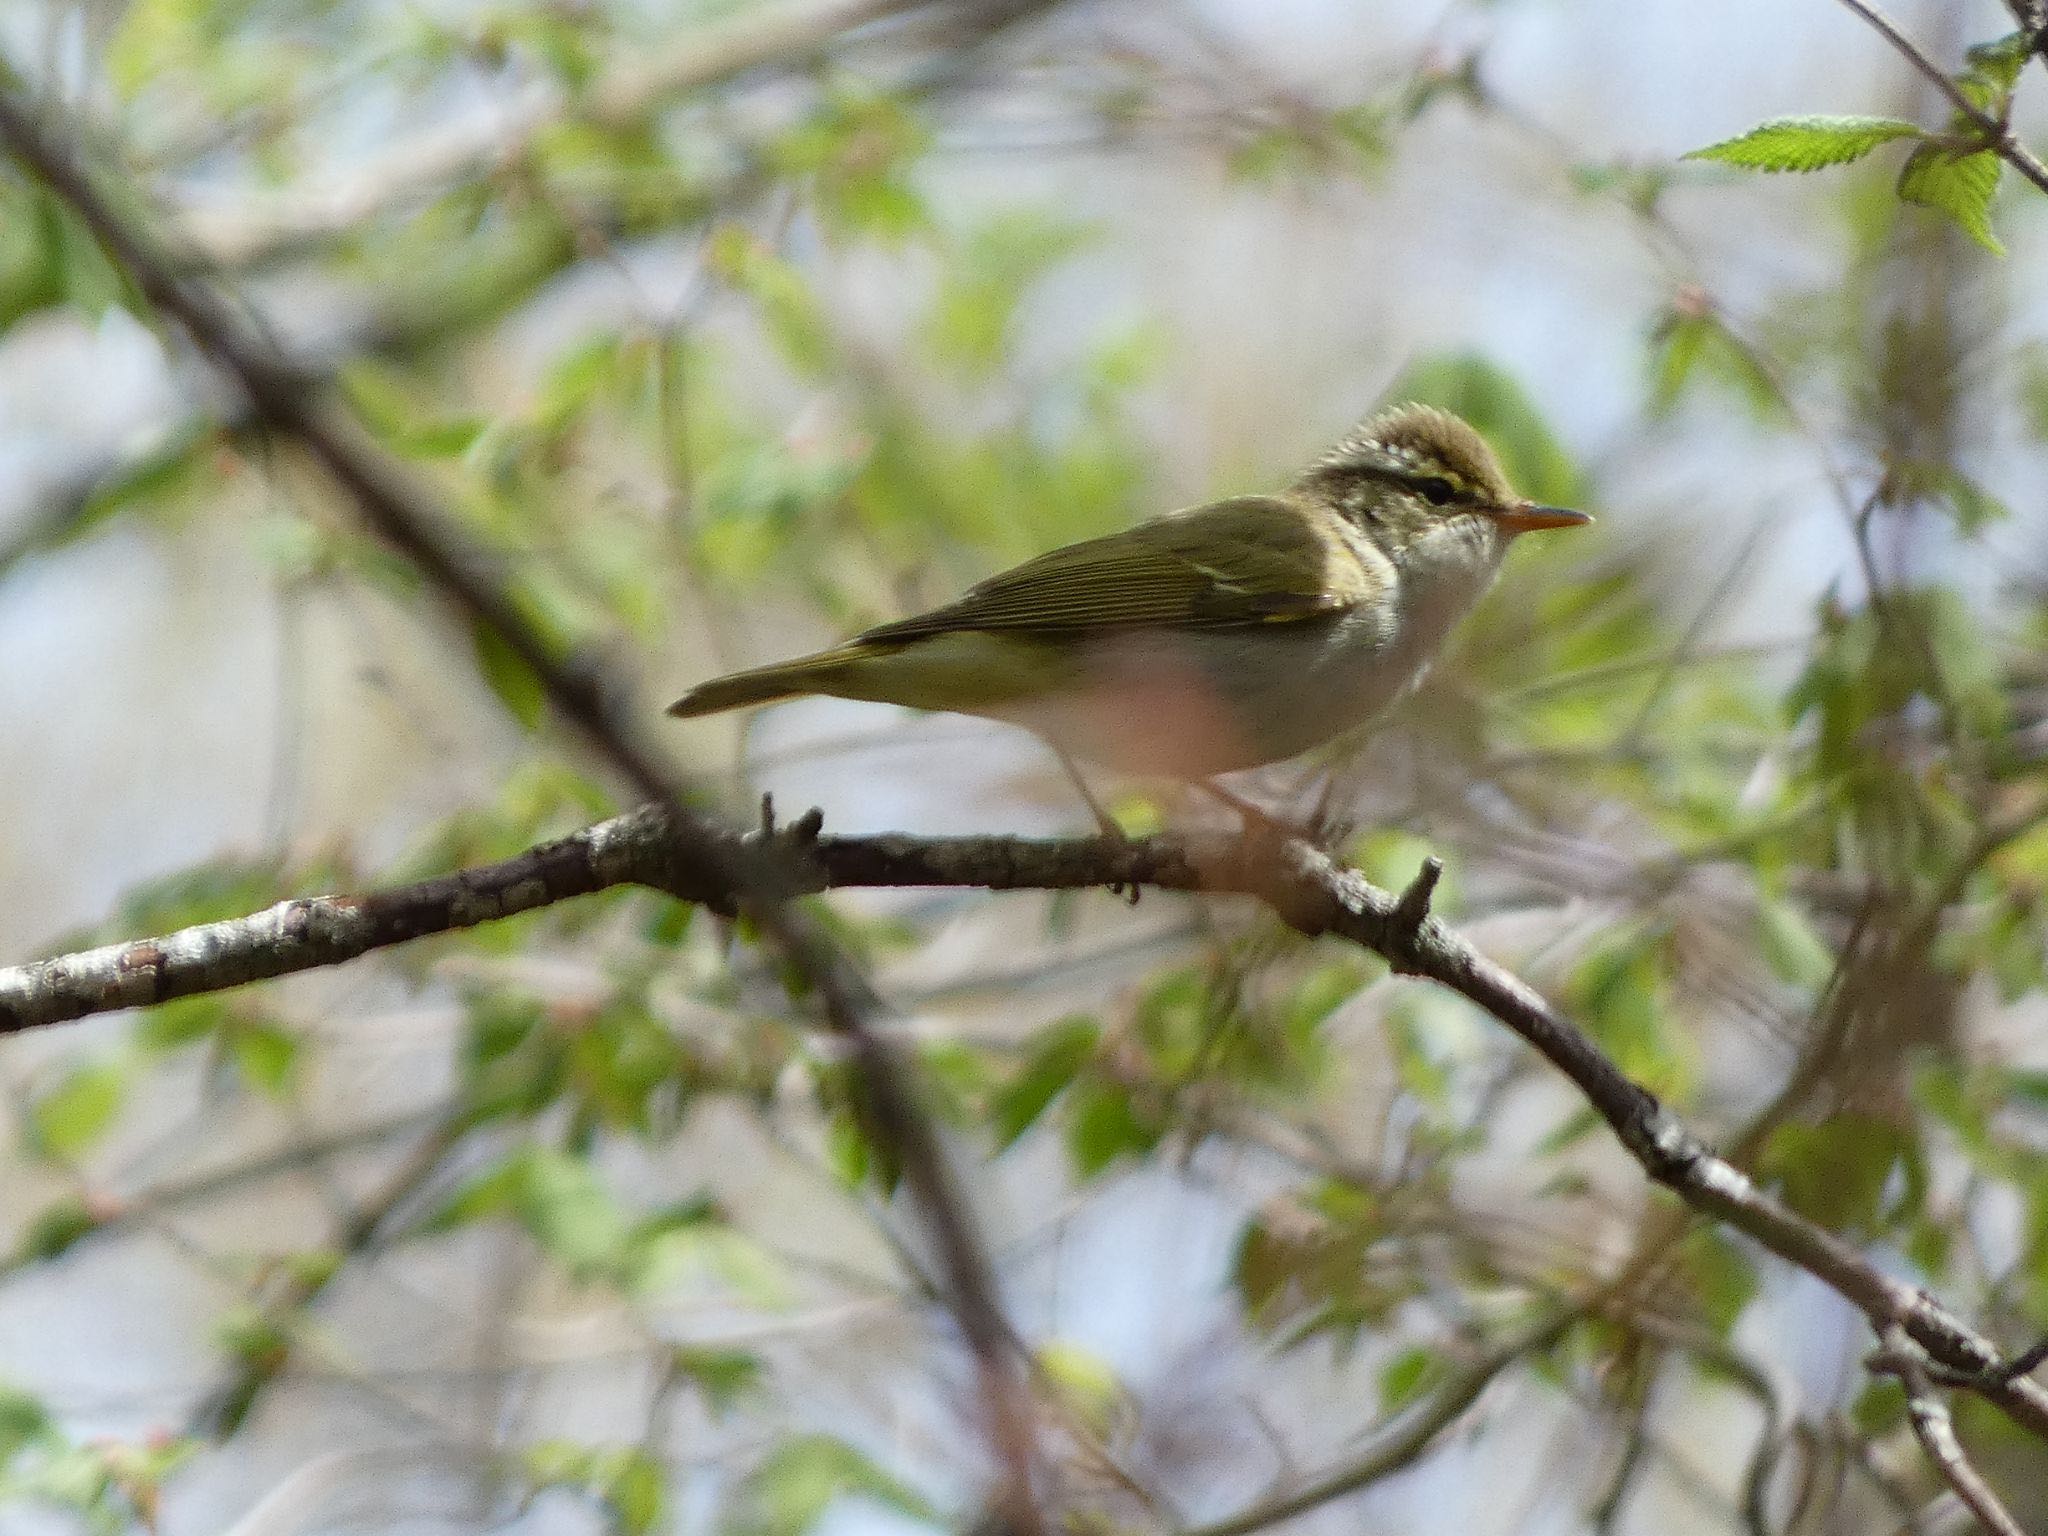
1794	887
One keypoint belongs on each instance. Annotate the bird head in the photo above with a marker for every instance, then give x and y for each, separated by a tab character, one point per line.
1413	475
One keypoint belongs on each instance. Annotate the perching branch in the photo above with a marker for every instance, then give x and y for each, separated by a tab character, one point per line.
1300	884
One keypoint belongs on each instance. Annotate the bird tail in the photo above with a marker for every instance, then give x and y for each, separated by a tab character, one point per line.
764	685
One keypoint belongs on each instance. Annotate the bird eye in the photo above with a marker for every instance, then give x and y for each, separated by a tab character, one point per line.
1436	490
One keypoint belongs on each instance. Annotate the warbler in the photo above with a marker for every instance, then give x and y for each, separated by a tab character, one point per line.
1215	638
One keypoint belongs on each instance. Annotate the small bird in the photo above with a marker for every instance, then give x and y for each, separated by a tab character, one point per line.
1216	638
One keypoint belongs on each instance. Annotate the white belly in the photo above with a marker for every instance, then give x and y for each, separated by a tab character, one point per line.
1206	702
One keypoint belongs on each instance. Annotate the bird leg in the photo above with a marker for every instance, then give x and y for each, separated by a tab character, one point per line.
1104	822
1327	826
1258	821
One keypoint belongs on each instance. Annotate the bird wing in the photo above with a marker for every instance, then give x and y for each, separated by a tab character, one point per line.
1249	560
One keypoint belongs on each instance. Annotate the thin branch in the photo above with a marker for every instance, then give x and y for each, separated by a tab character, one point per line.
1934	1427
787	35
1998	136
412	522
1400	1448
1296	880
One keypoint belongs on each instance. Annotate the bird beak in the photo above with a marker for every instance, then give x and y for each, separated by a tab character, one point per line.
1527	517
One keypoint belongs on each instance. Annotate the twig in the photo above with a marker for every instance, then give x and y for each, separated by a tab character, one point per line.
1296	880
1998	136
708	55
1400	1448
1934	1427
224	1410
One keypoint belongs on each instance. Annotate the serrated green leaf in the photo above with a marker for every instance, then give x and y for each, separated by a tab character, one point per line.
1807	143
1994	68
1959	183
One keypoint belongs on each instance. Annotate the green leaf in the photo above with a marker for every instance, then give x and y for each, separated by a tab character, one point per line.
570	1213
266	1055
1723	1278
1692	340
1974	507
1103	1125
511	679
1835	1173
560	1201
1086	1383
1994	69
181	1022
627	1482
65	1122
724	1376
1791	944
1403	1377
971	325
1056	1056
1807	143
479	1198
1959	183
1880	1407
55	1228
693	1245
802	1478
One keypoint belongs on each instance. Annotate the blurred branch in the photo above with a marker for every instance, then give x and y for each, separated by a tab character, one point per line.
407	518
1934	1427
1998	135
1400	1449
406	323
224	1410
653	847
787	35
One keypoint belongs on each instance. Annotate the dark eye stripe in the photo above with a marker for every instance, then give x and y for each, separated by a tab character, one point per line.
1435	489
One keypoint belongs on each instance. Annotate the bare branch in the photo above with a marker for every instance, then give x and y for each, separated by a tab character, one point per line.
1934	1427
1296	880
1400	1448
